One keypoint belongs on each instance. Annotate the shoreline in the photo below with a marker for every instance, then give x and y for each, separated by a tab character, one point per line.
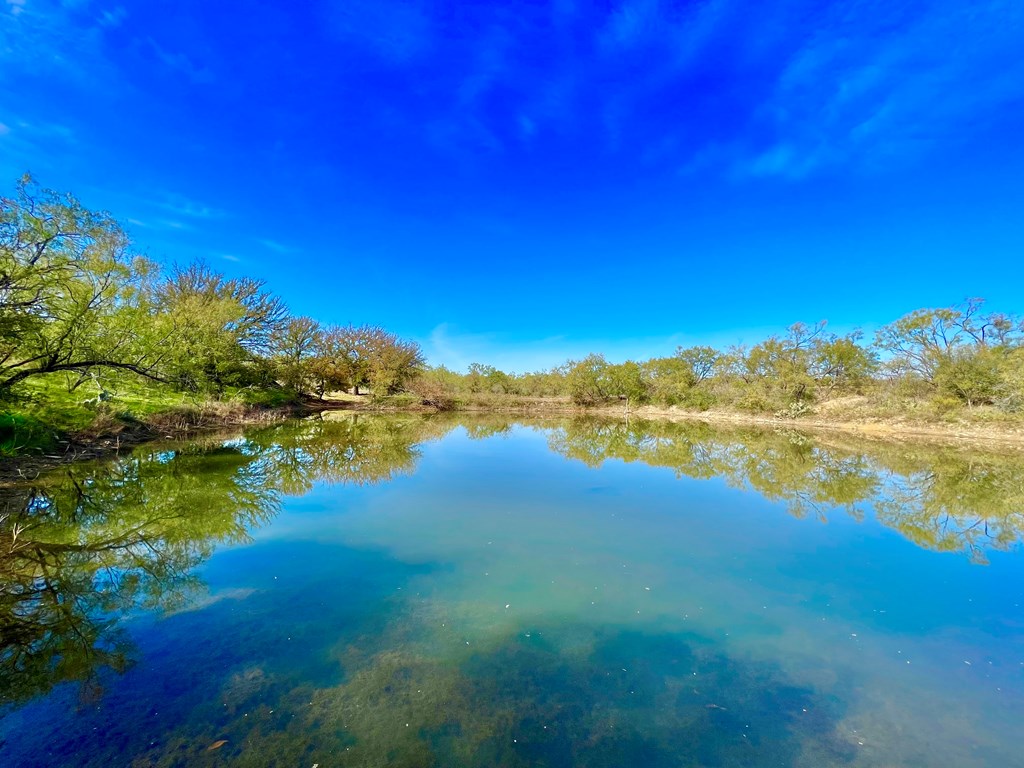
179	425
172	425
889	431
880	428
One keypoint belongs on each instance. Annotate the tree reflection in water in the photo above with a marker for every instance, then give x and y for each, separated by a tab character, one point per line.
84	546
942	498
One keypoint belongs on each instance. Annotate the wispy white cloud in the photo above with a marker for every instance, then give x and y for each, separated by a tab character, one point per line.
38	147
178	225
592	81
872	84
113	18
564	11
183	206
50	37
527	127
179	62
633	22
158	224
795	89
275	246
784	160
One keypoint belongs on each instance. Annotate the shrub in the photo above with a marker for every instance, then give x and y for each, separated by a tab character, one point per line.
973	379
698	398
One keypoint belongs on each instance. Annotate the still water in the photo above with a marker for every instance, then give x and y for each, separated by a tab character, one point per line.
413	591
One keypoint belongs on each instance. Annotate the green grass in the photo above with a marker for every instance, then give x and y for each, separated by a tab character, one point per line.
403	400
41	410
264	398
23	433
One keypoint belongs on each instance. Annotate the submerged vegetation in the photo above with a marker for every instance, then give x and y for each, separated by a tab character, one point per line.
85	545
85	548
523	701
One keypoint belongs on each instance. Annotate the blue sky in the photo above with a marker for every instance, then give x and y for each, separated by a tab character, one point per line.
518	183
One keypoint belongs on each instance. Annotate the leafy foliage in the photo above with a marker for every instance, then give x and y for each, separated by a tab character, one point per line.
934	361
76	301
72	295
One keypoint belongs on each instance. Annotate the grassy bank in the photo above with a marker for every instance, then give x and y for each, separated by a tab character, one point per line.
45	416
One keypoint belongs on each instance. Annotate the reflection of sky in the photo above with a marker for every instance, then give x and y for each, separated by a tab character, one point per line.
705	171
516	539
502	538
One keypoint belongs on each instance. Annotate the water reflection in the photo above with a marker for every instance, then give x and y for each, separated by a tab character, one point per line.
940	497
90	543
84	546
426	627
341	448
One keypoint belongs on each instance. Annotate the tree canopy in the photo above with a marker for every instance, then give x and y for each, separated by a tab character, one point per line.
76	298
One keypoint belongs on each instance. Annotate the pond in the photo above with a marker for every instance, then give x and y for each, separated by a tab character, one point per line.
370	590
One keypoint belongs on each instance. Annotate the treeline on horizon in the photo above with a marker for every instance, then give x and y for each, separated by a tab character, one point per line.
940	359
76	301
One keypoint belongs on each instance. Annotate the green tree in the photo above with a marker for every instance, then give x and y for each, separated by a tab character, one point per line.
438	387
669	379
296	346
625	381
257	314
672	380
1010	390
782	365
487	378
203	352
476	377
839	362
332	368
587	381
701	361
393	362
367	356
350	349
543	383
216	327
72	295
921	342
